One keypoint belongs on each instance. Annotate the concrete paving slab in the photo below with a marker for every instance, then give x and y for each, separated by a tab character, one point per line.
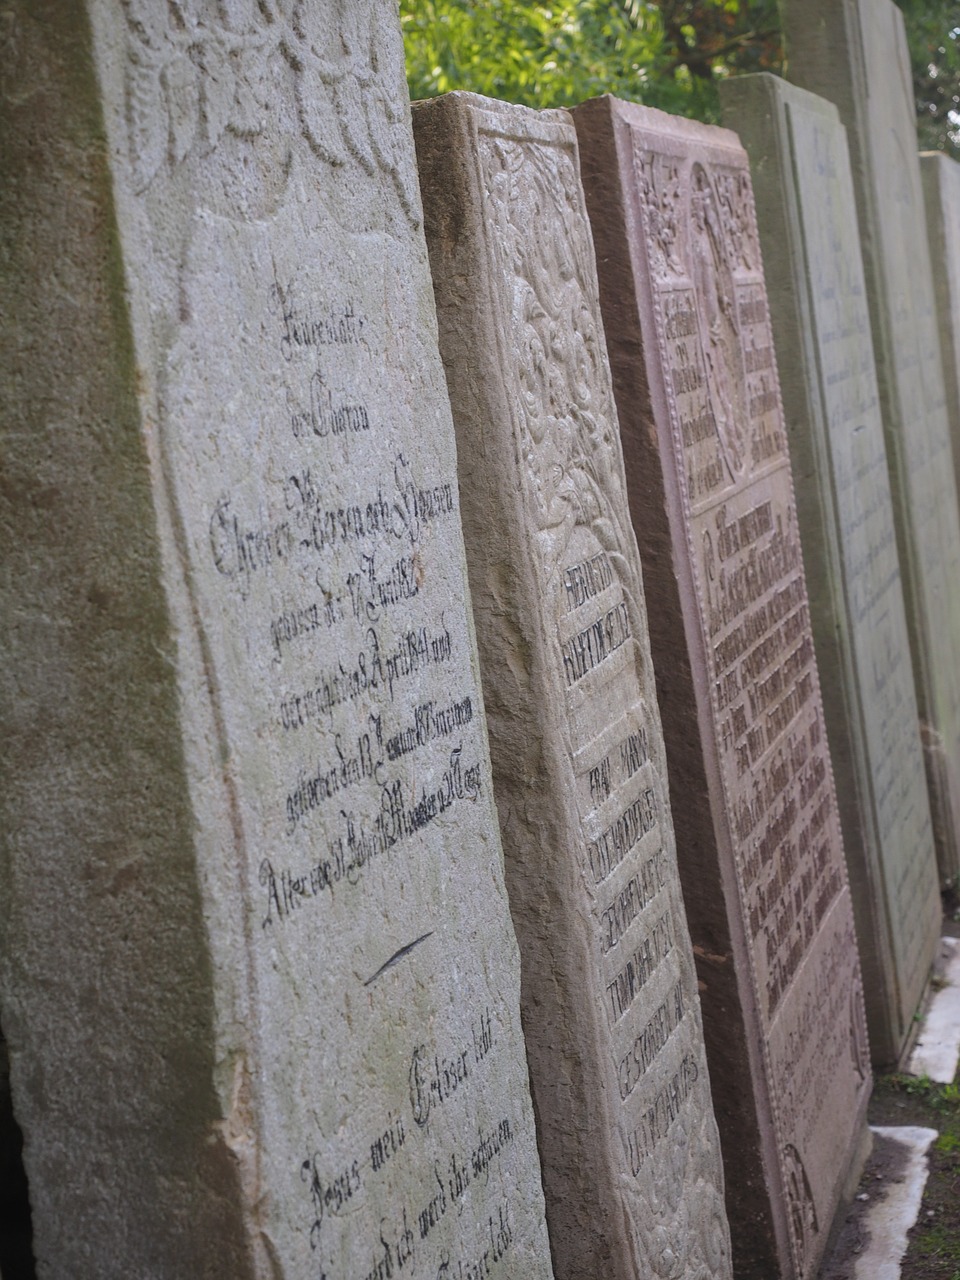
937	1050
887	1219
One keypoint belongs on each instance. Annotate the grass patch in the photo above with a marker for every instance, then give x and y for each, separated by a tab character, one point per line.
934	1248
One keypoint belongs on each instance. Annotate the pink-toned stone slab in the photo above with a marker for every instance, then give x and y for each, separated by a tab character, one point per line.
758	834
854	53
257	970
626	1132
818	305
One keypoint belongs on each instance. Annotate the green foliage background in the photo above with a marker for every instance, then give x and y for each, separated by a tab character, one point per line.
933	31
668	54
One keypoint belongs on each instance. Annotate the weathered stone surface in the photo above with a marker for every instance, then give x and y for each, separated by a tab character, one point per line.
818	307
941	190
758	833
854	53
258	974
626	1131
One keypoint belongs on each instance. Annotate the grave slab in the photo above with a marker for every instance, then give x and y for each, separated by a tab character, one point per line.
627	1138
821	327
758	833
854	53
258	975
941	197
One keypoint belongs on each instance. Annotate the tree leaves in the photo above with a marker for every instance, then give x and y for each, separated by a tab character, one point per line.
933	34
668	55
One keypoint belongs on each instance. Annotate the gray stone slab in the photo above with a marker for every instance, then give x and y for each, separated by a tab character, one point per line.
258	977
854	53
818	308
758	832
941	190
626	1131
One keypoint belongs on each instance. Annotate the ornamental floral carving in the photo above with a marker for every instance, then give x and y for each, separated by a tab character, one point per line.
569	424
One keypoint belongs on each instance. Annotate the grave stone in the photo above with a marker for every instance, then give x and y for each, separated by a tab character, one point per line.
758	834
941	191
627	1137
259	980
854	53
818	309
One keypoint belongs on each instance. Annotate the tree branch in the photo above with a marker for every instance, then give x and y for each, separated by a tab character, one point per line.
700	61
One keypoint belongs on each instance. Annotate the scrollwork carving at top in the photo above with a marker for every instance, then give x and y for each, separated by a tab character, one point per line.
200	69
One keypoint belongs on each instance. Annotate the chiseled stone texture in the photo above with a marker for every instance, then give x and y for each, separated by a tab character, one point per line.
758	832
941	191
818	307
854	53
258	977
627	1137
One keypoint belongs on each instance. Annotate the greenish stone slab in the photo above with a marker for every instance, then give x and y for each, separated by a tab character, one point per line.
818	307
854	53
257	970
941	191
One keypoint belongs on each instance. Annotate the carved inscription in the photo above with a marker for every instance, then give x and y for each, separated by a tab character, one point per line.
375	662
719	372
591	646
406	1242
368	695
771	733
